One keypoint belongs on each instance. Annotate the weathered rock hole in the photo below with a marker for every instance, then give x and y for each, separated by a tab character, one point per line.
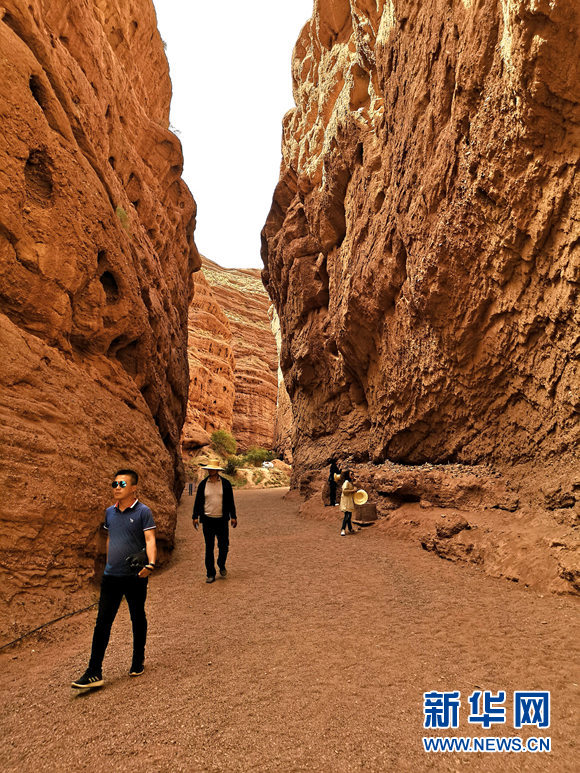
359	96
112	161
38	91
38	177
126	353
378	202
401	497
110	287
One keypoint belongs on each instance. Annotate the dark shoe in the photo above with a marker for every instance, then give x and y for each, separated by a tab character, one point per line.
223	572
210	579
137	669
88	681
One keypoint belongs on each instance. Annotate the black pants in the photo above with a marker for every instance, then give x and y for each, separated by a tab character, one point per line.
347	522
112	591
212	528
332	487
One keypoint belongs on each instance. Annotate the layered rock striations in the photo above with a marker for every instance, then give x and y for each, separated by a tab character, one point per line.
244	302
211	368
96	256
422	249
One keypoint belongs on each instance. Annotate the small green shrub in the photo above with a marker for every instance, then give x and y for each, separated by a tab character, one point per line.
258	477
232	465
223	443
256	455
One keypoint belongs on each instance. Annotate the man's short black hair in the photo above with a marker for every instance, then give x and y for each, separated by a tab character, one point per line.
134	475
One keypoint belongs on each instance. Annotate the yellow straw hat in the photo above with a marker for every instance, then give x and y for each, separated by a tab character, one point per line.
212	464
360	497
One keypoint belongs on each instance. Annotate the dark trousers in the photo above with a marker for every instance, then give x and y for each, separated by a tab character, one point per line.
212	528
346	522
332	488
112	591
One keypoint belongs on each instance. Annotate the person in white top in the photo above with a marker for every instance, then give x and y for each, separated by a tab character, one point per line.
215	507
347	503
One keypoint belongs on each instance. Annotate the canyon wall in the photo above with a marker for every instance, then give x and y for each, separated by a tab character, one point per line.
96	257
211	368
244	302
422	249
284	424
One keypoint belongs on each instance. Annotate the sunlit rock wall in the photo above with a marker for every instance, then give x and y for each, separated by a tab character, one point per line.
240	293
211	368
422	249
96	255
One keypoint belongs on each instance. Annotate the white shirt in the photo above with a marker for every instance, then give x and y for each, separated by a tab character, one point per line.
214	496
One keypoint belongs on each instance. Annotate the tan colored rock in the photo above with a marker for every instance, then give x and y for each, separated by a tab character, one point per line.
96	255
283	427
244	301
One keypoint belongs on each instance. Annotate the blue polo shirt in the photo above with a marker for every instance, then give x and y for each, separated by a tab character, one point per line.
126	535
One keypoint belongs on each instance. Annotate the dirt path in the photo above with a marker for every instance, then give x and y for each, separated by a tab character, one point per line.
312	655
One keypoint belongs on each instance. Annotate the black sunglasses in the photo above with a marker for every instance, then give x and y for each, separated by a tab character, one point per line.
120	483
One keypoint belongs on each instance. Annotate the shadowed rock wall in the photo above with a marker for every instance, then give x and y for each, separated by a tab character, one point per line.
422	248
96	255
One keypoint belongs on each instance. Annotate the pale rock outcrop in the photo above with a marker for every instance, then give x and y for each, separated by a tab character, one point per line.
283	425
96	256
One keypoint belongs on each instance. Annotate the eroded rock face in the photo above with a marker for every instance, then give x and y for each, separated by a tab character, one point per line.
211	368
422	247
284	424
241	296
96	255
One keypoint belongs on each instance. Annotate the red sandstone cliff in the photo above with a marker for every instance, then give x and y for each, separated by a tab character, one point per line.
211	368
96	255
242	297
422	250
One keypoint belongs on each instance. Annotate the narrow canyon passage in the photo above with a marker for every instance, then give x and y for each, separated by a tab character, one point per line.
312	655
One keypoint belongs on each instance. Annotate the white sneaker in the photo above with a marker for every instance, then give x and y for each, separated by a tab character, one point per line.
343	533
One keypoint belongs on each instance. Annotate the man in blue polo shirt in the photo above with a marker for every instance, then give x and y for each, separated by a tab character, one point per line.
130	528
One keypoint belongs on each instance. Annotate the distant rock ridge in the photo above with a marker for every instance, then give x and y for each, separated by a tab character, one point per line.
233	358
96	257
211	367
422	247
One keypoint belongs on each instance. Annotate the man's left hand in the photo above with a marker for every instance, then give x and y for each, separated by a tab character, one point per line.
234	523
144	572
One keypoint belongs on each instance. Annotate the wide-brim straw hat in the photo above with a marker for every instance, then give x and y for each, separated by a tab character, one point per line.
212	464
360	497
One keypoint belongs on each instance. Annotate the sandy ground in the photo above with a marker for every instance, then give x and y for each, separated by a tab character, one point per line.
313	655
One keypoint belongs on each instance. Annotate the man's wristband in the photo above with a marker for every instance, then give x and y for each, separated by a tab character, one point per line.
151	567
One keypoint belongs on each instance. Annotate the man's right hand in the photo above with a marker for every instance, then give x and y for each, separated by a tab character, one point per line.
195	523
